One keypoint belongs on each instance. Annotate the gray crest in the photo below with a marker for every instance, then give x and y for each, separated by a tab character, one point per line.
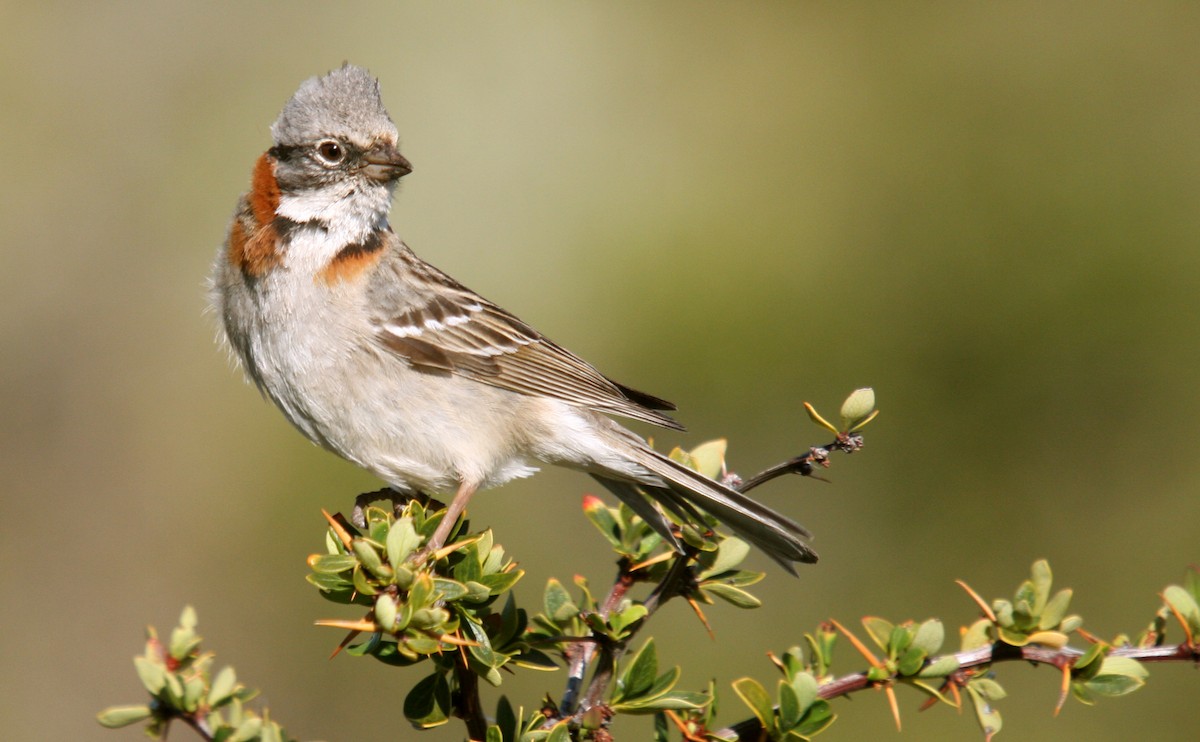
343	103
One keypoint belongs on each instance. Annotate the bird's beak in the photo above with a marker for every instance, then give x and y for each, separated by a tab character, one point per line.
384	163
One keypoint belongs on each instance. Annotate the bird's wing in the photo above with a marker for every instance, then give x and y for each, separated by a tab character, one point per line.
438	325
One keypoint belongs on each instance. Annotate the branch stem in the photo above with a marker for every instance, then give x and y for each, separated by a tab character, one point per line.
468	705
806	463
980	657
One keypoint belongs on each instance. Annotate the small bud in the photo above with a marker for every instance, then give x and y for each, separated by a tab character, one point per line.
116	717
857	407
385	612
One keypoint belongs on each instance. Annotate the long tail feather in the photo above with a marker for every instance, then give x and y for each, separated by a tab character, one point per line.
777	535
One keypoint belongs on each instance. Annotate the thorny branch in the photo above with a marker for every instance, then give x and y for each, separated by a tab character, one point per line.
582	654
805	464
972	660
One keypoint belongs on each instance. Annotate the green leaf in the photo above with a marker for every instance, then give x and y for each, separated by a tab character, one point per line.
595	623
661	697
428	703
535	659
900	640
790	711
483	653
586	598
732	552
402	541
680	456
988	717
857	408
1118	676
115	717
742	578
930	636
730	594
821	645
377	526
805	687
152	674
680	700
361	582
494	563
940	667
448	590
662	730
879	630
560	732
1042	581
368	556
332	564
333	544
223	686
911	661
933	691
1089	664
248	730
816	418
1070	623
506	720
1013	637
1055	639
620	620
430	619
1055	610
640	673
988	688
330	583
386	612
663	684
477	592
193	691
755	696
1184	604
1004	612
819	716
977	635
183	642
709	458
602	517
421	592
500	582
469	568
1191	581
187	618
556	602
173	690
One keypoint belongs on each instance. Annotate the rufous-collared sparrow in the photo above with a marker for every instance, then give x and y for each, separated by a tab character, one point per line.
390	363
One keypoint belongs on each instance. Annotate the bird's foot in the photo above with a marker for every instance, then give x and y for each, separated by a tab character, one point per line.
358	516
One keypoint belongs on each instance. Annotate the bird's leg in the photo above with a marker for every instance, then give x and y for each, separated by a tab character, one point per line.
457	505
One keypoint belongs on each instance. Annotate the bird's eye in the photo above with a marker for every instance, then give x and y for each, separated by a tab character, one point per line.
331	152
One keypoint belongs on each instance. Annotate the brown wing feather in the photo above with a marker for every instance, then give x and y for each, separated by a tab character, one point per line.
439	325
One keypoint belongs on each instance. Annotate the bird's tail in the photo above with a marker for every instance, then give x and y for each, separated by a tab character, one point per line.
777	535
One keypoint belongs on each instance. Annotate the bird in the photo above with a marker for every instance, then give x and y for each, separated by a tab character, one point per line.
383	359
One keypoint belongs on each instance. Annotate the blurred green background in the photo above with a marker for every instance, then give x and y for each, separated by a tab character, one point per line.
986	211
